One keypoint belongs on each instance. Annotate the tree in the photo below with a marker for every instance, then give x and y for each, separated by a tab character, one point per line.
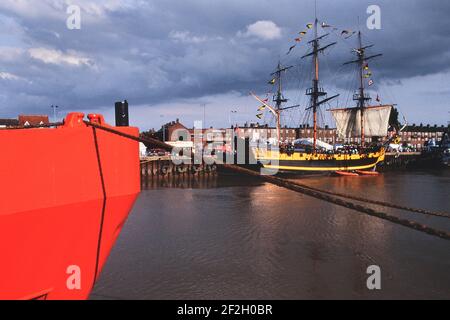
393	120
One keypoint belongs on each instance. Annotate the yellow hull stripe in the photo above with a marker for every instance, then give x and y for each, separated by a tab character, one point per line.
289	168
378	157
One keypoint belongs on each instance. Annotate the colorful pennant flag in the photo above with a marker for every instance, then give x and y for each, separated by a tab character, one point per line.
371	82
298	39
309	25
290	49
353	33
302	33
262	108
324	25
347	33
273	81
259	116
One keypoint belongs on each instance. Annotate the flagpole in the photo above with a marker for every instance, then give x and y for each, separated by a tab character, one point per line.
276	112
361	89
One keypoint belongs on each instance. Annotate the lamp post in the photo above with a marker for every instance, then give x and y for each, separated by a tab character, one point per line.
231	116
54	112
204	114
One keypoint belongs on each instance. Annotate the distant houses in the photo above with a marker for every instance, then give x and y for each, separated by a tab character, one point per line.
418	136
7	123
33	120
415	136
25	121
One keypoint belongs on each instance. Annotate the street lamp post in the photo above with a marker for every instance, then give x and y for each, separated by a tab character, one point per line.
54	112
231	116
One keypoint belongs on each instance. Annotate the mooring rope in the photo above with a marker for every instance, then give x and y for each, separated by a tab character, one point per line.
152	141
325	195
376	202
380	203
313	192
322	196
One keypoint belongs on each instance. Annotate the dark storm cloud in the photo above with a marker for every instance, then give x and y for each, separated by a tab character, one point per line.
158	51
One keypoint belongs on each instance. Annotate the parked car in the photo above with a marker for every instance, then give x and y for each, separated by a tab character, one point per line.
157	153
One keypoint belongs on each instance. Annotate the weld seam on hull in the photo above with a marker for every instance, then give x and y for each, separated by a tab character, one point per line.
102	179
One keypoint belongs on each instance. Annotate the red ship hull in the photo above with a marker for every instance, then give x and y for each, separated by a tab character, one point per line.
65	196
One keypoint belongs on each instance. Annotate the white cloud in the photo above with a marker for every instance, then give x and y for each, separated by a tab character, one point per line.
51	56
263	29
8	76
12	77
188	37
56	9
10	53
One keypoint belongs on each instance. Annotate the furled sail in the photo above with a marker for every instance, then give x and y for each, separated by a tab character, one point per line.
376	121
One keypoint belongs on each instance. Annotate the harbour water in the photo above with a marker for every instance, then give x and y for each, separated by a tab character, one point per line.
229	237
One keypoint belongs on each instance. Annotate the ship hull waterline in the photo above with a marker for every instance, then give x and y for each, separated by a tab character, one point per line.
320	163
66	195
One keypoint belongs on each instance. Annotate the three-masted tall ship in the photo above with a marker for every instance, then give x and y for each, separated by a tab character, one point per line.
361	122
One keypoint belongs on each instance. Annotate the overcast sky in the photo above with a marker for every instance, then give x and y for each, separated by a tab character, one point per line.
168	58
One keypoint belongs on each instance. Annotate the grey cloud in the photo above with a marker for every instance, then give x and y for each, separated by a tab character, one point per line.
135	57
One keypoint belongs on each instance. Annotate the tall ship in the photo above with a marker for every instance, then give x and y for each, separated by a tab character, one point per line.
66	194
362	122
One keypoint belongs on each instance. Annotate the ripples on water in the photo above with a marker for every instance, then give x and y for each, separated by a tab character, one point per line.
235	238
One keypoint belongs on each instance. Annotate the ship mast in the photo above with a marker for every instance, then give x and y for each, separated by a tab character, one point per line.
316	91
361	97
278	97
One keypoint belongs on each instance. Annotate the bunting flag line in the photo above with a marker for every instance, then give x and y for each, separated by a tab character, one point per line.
290	49
352	34
347	33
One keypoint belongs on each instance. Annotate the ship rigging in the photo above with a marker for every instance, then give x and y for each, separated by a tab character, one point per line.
362	121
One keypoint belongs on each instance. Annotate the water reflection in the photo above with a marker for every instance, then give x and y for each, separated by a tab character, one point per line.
235	238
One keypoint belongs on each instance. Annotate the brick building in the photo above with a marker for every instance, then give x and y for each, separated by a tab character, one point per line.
416	136
328	135
288	134
25	120
173	131
33	120
6	123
